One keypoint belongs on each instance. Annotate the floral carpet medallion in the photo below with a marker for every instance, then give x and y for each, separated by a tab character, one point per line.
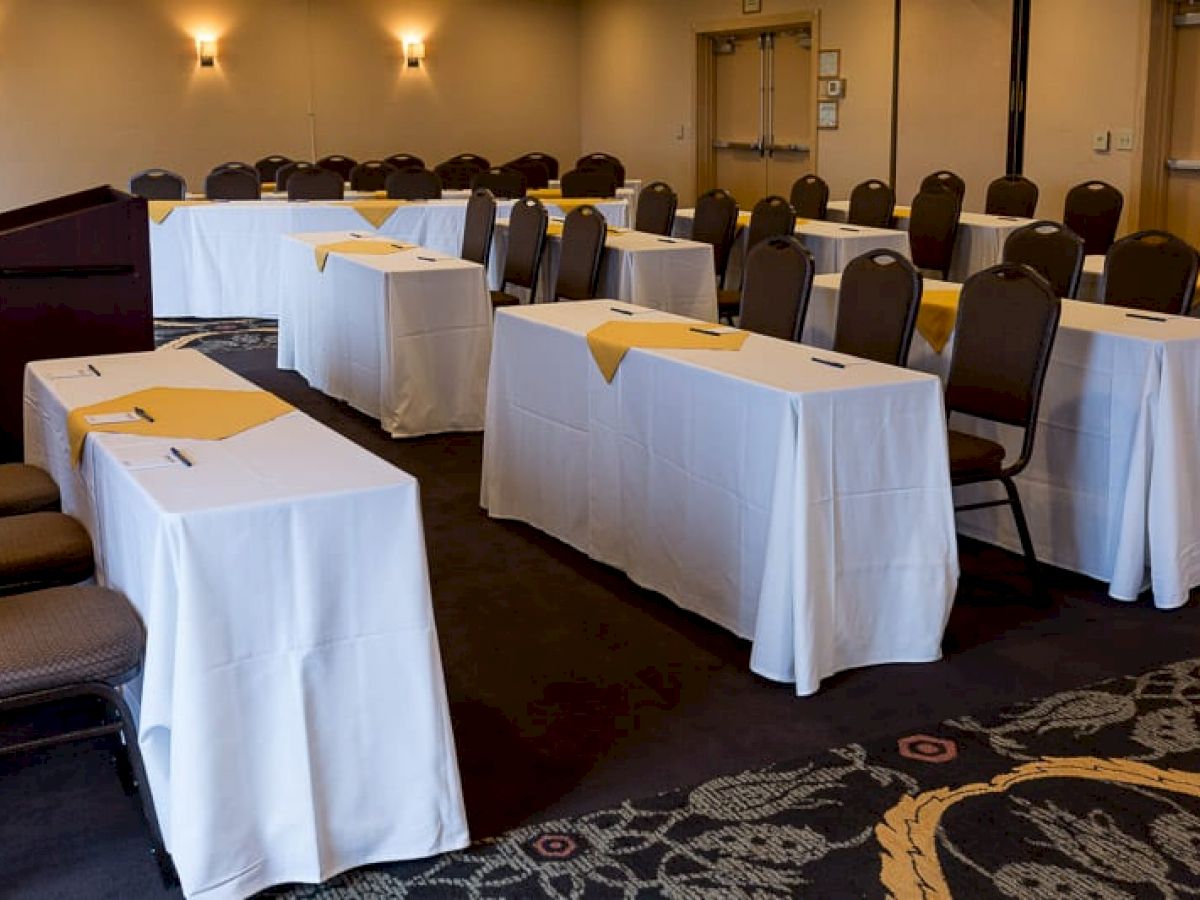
1091	793
214	335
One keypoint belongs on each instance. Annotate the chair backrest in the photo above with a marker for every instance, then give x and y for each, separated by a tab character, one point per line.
1151	270
457	176
526	243
656	208
234	164
405	161
770	216
232	184
536	173
944	179
158	184
1007	318
583	236
1011	195
1052	250
877	307
479	226
370	175
604	161
284	172
315	183
589	183
932	228
413	184
776	286
548	162
810	196
714	222
871	204
480	163
268	166
335	162
508	184
1092	210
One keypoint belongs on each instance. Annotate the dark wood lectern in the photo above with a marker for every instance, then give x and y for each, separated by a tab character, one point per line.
74	281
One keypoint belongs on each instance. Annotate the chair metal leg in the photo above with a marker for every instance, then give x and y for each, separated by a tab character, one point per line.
1031	563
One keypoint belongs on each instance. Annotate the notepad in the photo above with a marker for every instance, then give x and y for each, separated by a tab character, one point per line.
111	418
136	458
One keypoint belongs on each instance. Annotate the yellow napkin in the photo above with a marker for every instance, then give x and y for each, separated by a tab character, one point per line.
268	187
367	247
569	203
160	209
936	317
611	341
545	193
555	229
744	220
375	212
902	212
200	413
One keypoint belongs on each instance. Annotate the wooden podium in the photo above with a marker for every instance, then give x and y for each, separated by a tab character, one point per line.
74	281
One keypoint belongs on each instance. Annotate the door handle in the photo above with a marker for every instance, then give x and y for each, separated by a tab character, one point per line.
756	146
1183	165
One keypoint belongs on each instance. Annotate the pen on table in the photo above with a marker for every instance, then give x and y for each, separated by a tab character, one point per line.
708	331
178	454
668	240
624	312
828	362
1147	318
93	370
141	413
428	258
848	228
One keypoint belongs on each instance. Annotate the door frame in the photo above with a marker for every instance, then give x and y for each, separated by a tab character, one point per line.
1151	199
706	84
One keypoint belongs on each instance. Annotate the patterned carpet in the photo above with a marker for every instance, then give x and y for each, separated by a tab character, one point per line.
1087	794
214	335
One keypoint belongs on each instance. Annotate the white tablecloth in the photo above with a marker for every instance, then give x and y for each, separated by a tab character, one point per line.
222	259
292	712
1091	279
755	488
404	337
979	244
1113	488
833	245
671	274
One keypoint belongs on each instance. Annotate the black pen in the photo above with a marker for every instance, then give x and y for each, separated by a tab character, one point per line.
427	258
828	362
706	331
845	228
623	312
668	240
1147	318
94	370
178	454
143	414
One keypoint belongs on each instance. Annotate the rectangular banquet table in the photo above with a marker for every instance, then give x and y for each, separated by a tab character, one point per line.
1113	488
671	274
403	337
291	709
832	244
979	244
755	487
221	259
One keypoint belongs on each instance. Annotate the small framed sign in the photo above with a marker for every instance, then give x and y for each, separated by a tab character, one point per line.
831	88
829	63
827	114
751	6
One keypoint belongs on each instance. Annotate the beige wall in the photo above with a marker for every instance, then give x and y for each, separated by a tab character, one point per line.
94	90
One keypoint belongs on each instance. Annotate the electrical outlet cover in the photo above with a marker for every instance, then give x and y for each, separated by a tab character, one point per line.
1100	141
1124	139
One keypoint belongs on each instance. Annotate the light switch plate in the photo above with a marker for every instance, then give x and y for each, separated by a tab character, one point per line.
1124	138
1100	141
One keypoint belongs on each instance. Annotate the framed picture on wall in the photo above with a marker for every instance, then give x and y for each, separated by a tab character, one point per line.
831	88
827	114
829	63
751	6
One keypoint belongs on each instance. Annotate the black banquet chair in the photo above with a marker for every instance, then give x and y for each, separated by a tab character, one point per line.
714	222
537	176
872	203
946	181
404	161
43	549
1000	380
335	162
413	184
158	184
479	226
25	489
810	196
370	175
507	184
268	167
932	229
456	176
656	207
526	245
589	183
224	183
1011	195
315	183
284	172
776	287
582	245
1093	210
771	216
1151	270
1052	250
878	301
605	162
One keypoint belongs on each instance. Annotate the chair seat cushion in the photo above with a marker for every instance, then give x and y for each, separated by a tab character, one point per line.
43	549
973	458
26	489
499	298
67	635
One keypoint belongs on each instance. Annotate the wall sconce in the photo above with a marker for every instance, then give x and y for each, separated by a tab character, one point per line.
414	52
206	52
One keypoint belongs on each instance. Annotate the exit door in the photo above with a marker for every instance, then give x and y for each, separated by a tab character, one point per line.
761	113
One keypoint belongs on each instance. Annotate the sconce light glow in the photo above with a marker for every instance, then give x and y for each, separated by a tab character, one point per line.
414	52
206	50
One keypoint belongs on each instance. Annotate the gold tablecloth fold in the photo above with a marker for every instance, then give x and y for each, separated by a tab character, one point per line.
178	412
375	212
160	209
611	341
365	246
936	317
